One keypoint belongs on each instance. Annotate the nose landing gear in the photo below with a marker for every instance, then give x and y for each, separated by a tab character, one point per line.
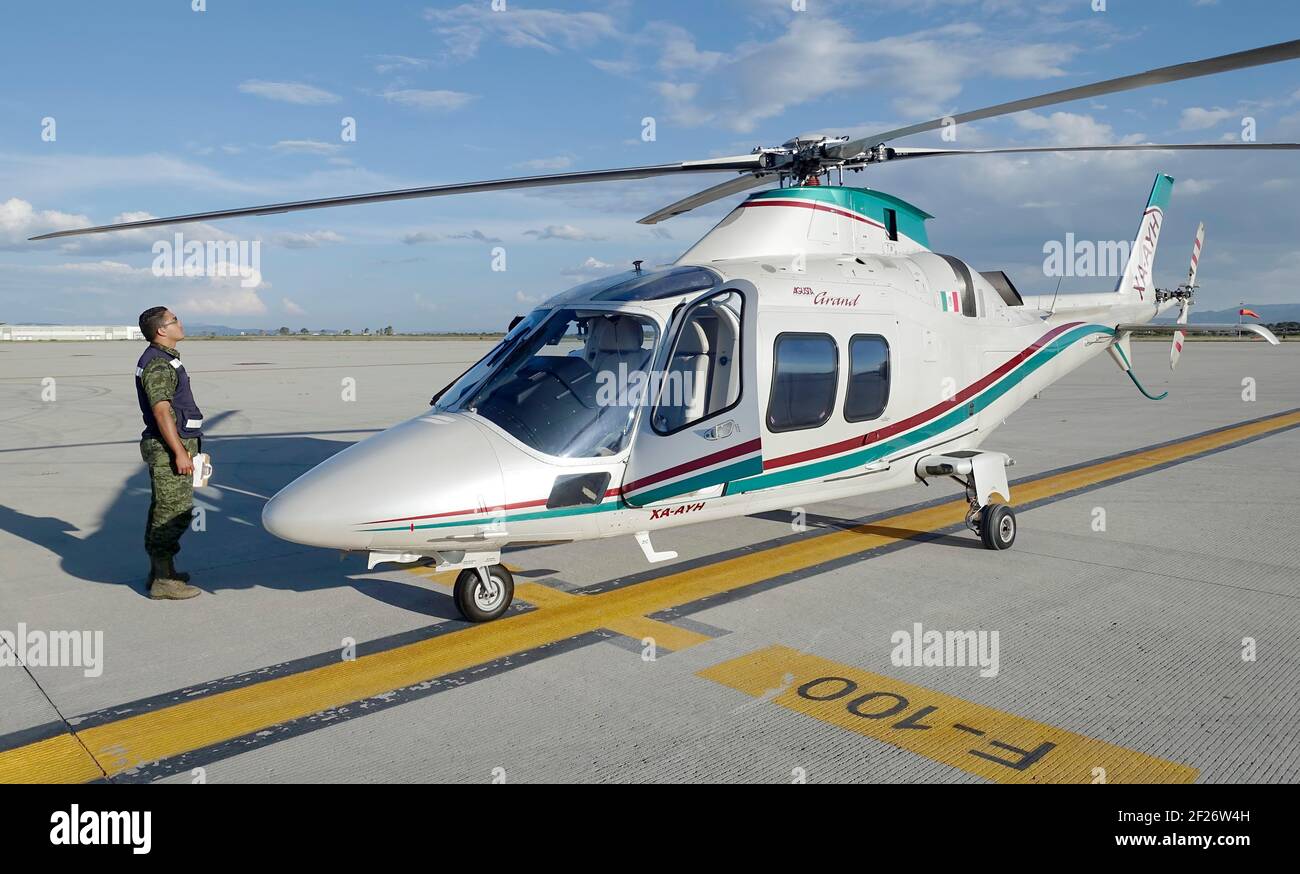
484	588
483	593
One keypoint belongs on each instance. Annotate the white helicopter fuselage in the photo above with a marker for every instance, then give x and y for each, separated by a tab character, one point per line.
836	350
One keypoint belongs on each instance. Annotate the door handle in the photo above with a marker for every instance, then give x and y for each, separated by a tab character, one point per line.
721	430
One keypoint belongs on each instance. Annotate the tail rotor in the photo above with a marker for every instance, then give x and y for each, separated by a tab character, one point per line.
1183	294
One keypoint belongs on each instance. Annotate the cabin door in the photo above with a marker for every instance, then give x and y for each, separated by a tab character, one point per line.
701	430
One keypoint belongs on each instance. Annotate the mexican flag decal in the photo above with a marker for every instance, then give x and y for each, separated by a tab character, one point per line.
950	301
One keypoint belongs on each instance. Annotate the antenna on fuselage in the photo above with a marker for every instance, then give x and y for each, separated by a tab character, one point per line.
1052	308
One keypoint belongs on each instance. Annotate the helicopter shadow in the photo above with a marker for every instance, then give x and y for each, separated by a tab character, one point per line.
815	520
226	547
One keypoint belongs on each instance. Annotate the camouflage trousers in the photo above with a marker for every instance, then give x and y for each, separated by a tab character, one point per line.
172	498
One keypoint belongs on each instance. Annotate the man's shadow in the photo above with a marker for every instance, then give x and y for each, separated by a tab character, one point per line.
226	546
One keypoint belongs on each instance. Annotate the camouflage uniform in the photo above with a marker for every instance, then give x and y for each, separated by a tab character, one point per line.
172	503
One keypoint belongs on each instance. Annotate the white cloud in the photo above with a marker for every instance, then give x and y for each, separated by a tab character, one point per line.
464	27
227	301
562	232
476	235
415	238
20	220
315	147
392	63
305	240
1193	187
1072	129
679	51
292	308
106	268
1198	118
590	267
289	92
815	58
615	68
428	100
544	165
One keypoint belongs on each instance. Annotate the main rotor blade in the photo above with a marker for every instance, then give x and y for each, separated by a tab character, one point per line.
895	154
708	195
1239	60
712	165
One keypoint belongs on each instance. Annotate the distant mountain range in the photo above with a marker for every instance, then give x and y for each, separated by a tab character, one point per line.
221	330
1269	313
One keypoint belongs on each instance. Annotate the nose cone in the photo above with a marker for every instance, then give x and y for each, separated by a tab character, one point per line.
424	467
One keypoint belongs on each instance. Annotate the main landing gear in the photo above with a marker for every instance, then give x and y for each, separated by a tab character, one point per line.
995	524
984	474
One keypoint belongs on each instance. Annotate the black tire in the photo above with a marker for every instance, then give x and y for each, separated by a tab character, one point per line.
997	525
474	603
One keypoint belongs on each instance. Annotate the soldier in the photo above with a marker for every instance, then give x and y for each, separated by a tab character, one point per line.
172	436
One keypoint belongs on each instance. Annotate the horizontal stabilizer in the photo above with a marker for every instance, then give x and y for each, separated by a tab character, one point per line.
1199	329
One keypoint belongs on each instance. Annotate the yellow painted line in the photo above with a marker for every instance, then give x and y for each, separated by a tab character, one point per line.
189	725
58	759
663	634
446	578
542	596
980	740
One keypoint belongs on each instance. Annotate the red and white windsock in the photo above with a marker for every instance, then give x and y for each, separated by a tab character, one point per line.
1179	337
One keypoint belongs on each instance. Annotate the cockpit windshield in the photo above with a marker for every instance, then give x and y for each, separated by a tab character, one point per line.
559	382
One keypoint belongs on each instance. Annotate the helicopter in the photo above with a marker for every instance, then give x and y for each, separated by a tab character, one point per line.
811	346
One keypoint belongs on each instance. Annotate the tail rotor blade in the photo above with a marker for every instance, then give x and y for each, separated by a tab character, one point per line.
1196	254
1180	337
1176	350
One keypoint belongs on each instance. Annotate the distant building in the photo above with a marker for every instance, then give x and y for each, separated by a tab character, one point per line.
70	332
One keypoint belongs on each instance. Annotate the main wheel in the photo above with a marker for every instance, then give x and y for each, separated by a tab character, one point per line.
997	526
483	603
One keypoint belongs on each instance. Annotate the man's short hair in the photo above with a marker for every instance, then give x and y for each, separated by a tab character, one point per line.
151	321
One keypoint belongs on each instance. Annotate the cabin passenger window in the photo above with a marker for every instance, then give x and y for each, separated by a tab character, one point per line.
804	375
703	374
868	391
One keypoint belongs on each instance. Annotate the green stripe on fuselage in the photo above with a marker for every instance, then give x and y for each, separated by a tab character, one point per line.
743	468
948	420
741	474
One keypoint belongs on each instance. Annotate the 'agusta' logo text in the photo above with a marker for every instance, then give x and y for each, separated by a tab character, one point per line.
821	298
73	827
675	511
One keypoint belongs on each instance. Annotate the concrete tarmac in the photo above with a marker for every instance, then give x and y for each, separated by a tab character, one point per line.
1147	617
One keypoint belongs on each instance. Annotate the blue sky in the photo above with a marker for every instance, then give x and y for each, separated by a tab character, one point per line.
161	110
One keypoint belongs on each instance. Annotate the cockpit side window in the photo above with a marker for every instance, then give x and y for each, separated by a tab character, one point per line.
703	376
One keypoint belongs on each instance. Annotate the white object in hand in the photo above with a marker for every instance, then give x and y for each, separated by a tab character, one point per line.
202	469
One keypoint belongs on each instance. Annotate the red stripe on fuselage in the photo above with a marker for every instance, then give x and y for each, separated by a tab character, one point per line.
794	458
923	416
814	205
688	466
516	506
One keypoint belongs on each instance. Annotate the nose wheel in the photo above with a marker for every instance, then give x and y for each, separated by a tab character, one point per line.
484	593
